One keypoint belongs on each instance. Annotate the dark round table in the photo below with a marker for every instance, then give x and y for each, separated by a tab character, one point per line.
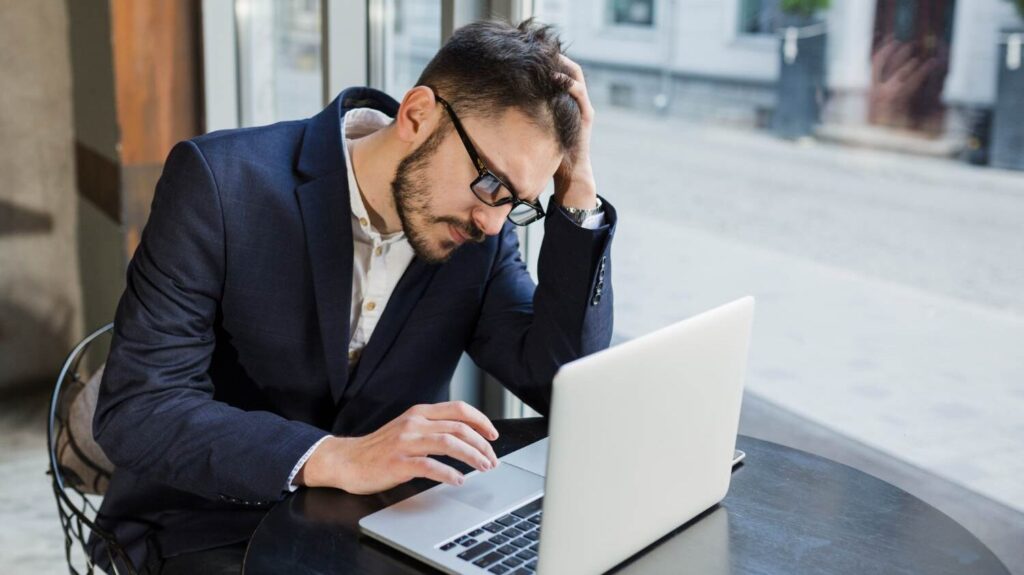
787	512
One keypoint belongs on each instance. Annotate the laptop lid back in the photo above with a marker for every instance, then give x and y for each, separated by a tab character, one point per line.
642	438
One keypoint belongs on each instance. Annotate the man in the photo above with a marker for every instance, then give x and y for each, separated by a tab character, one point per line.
303	291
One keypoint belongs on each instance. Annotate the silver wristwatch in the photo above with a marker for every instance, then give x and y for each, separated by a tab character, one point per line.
579	215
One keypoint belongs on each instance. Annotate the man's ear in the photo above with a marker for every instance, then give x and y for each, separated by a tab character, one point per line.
417	115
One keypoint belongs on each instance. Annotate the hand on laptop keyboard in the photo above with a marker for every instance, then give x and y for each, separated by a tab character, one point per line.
398	451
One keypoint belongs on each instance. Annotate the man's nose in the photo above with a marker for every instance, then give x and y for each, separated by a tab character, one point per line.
490	219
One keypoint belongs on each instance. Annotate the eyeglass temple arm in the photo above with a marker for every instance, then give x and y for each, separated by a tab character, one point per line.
481	169
461	131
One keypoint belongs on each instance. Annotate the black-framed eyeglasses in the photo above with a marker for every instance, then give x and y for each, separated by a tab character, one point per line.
489	188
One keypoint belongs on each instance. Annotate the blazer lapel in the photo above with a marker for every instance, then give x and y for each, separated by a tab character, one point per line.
326	215
403	300
327	218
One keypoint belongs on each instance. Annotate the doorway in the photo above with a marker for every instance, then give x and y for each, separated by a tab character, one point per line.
909	62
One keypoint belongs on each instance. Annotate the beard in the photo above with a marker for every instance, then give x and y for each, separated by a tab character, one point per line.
411	191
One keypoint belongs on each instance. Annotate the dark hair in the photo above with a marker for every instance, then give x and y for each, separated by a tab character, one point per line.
490	66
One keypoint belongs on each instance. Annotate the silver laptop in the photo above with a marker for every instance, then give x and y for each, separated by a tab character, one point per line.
641	439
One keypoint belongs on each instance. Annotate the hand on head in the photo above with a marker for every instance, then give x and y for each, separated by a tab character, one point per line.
574	180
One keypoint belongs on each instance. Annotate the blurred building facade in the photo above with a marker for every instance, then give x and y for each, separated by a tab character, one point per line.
924	66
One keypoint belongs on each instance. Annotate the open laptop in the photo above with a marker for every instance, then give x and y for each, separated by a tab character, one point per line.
641	439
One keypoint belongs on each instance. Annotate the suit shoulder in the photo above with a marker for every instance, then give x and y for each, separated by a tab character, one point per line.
273	146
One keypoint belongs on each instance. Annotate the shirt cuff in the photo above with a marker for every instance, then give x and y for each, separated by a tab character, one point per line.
302	461
593	222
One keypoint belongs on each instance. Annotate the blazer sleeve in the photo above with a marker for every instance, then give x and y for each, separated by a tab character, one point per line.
156	414
525	331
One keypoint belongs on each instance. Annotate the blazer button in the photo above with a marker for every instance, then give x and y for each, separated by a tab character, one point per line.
596	299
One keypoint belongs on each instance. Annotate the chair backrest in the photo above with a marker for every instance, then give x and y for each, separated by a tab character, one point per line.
80	459
78	466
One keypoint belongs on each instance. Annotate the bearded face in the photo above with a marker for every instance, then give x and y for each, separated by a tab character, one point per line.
412	192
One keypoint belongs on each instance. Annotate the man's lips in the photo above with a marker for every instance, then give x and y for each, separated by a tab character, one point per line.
456	235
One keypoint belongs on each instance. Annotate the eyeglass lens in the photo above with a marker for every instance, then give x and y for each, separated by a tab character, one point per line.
490	190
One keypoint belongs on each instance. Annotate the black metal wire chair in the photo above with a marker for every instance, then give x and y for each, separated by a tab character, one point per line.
78	466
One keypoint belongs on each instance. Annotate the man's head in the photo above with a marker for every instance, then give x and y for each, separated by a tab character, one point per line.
505	85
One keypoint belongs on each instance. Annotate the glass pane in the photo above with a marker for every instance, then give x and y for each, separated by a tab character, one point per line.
412	37
280	70
864	183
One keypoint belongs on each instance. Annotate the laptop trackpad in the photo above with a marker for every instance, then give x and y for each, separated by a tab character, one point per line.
496	490
533	457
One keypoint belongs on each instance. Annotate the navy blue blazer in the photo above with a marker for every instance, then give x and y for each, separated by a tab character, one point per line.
229	356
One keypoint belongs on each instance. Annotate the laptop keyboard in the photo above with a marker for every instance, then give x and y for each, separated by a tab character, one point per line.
506	546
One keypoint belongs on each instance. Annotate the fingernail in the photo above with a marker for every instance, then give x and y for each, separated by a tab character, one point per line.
460	480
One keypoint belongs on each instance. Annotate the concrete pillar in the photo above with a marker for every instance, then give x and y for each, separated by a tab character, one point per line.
40	290
971	82
851	25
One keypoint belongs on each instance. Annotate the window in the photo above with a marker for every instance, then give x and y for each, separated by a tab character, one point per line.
887	270
758	16
632	12
889	290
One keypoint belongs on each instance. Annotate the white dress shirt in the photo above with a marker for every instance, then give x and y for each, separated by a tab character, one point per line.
378	260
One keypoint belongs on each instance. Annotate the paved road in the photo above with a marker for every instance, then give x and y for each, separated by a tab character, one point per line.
944	227
890	288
